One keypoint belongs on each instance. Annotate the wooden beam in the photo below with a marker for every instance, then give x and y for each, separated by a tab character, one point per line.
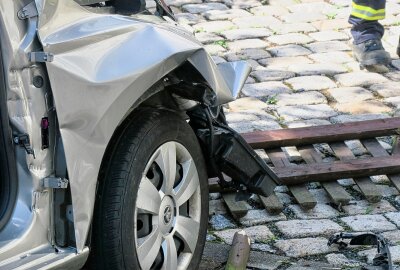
272	203
367	187
335	191
299	192
291	175
238	209
376	150
322	134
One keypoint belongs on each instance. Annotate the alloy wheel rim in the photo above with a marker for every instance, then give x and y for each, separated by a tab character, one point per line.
168	208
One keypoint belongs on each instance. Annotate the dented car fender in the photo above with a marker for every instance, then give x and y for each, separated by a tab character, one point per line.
101	65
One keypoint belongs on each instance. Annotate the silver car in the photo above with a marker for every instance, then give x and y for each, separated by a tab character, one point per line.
110	125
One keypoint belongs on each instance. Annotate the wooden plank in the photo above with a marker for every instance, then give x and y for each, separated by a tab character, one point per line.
365	184
298	174
335	191
376	150
272	203
213	185
322	134
300	192
239	253
238	209
395	152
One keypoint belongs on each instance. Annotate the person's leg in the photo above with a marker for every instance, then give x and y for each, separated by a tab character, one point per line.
367	31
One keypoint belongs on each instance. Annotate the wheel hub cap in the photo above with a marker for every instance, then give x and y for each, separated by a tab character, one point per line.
167	215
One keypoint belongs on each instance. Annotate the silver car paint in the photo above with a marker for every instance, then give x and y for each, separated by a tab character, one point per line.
29	224
102	65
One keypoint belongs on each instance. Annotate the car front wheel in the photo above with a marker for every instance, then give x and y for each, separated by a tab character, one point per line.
152	206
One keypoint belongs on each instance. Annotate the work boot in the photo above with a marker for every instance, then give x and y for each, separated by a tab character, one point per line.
371	53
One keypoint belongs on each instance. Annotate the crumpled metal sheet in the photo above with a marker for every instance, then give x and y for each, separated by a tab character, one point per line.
102	64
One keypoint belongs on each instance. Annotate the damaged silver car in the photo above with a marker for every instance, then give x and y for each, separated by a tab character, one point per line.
111	123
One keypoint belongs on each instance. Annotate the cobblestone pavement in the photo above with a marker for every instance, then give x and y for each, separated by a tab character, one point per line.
303	74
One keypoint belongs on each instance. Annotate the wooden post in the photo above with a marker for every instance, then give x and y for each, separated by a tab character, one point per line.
239	253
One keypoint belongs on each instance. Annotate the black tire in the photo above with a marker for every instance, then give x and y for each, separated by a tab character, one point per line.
113	240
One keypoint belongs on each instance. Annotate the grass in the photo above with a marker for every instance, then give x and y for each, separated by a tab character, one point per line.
272	100
331	15
222	43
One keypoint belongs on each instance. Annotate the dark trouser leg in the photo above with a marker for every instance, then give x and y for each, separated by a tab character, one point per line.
363	30
364	18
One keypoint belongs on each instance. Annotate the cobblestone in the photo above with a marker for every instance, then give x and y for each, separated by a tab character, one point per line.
265	89
292	38
220	222
256	234
317	69
392	236
254	54
331	57
203	7
248	103
307	228
341	260
362	107
284	62
263	248
225	14
320	211
360	78
306	98
188	18
350	94
286	28
387	191
364	207
298	112
251	43
269	10
264	75
304	246
255	21
329	35
302	17
328	46
334	24
214	49
394	217
388	89
312	7
257	217
244	127
358	117
375	223
289	50
310	83
207	37
244	33
262	260
214	26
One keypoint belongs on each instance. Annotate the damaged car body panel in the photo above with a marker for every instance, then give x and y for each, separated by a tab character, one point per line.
101	65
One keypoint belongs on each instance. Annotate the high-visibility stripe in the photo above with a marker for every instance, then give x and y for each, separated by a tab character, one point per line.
367	13
368	17
368	9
